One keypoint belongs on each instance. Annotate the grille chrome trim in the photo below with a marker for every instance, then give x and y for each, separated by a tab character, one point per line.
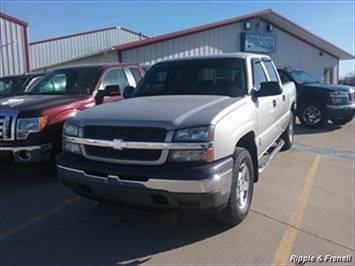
140	145
163	156
8	124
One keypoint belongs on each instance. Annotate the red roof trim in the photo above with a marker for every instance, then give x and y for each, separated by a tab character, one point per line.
13	19
134	32
185	32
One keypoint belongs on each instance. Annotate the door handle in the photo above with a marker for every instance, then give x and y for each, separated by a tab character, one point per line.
283	97
274	103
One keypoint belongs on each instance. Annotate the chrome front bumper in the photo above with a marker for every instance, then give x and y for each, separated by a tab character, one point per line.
216	183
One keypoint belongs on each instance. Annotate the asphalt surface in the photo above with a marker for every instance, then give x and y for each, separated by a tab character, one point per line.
303	205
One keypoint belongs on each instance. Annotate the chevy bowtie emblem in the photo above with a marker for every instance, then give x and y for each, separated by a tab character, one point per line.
118	144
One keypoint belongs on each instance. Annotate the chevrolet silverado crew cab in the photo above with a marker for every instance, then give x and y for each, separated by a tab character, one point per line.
31	124
194	134
317	101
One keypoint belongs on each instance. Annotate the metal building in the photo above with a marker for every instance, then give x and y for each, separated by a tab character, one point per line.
14	51
262	32
81	48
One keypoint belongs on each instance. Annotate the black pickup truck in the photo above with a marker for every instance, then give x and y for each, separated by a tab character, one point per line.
317	102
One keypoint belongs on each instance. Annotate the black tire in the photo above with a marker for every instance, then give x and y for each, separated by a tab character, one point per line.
318	119
233	214
288	135
342	121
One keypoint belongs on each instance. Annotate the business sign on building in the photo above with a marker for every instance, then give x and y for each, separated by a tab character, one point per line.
258	42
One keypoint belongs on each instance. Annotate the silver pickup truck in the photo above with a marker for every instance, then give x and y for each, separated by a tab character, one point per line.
194	134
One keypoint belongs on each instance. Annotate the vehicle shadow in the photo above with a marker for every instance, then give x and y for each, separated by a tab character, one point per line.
329	127
27	175
101	234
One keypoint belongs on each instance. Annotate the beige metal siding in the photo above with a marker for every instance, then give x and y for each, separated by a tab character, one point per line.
107	57
290	51
51	53
12	48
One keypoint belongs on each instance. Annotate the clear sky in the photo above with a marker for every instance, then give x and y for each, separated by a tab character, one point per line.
332	20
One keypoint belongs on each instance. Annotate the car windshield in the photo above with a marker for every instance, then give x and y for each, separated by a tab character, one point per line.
72	81
11	86
195	77
304	77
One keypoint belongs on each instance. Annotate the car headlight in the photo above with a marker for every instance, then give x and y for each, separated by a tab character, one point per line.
70	129
339	97
26	126
197	134
194	134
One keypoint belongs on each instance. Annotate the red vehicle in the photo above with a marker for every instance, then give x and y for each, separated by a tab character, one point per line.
31	124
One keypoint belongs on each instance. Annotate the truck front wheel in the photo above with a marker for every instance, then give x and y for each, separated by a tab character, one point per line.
241	189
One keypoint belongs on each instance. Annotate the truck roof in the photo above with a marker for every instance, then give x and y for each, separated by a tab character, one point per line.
225	56
100	66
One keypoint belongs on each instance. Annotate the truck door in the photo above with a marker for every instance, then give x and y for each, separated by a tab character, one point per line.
266	109
281	109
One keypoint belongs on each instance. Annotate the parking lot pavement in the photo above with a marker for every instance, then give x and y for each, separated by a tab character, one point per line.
303	205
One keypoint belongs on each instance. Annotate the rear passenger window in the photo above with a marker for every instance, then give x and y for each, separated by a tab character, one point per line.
270	70
136	74
115	77
258	73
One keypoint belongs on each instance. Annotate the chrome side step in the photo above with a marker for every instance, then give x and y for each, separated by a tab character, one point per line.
275	150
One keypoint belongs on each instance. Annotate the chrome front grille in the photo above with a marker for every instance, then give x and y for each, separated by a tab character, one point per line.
127	155
7	125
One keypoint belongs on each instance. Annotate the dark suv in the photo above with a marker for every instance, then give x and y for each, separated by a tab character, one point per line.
317	102
31	124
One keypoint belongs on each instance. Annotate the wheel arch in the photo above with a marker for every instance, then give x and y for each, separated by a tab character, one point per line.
248	142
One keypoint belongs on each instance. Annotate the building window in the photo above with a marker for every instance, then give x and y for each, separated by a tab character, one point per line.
328	75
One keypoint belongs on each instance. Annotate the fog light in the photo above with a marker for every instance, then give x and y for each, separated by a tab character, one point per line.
71	147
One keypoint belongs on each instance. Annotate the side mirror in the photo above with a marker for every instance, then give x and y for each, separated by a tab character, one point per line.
127	92
111	90
268	88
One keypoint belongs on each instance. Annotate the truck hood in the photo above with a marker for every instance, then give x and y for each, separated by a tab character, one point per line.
330	87
170	112
33	103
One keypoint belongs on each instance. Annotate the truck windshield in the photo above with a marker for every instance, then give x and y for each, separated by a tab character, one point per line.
10	86
71	81
221	76
304	77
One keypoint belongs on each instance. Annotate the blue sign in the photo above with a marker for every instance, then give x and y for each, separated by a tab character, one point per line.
258	42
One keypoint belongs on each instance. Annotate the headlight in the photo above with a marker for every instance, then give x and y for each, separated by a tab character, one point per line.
194	134
70	129
197	134
27	126
339	97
